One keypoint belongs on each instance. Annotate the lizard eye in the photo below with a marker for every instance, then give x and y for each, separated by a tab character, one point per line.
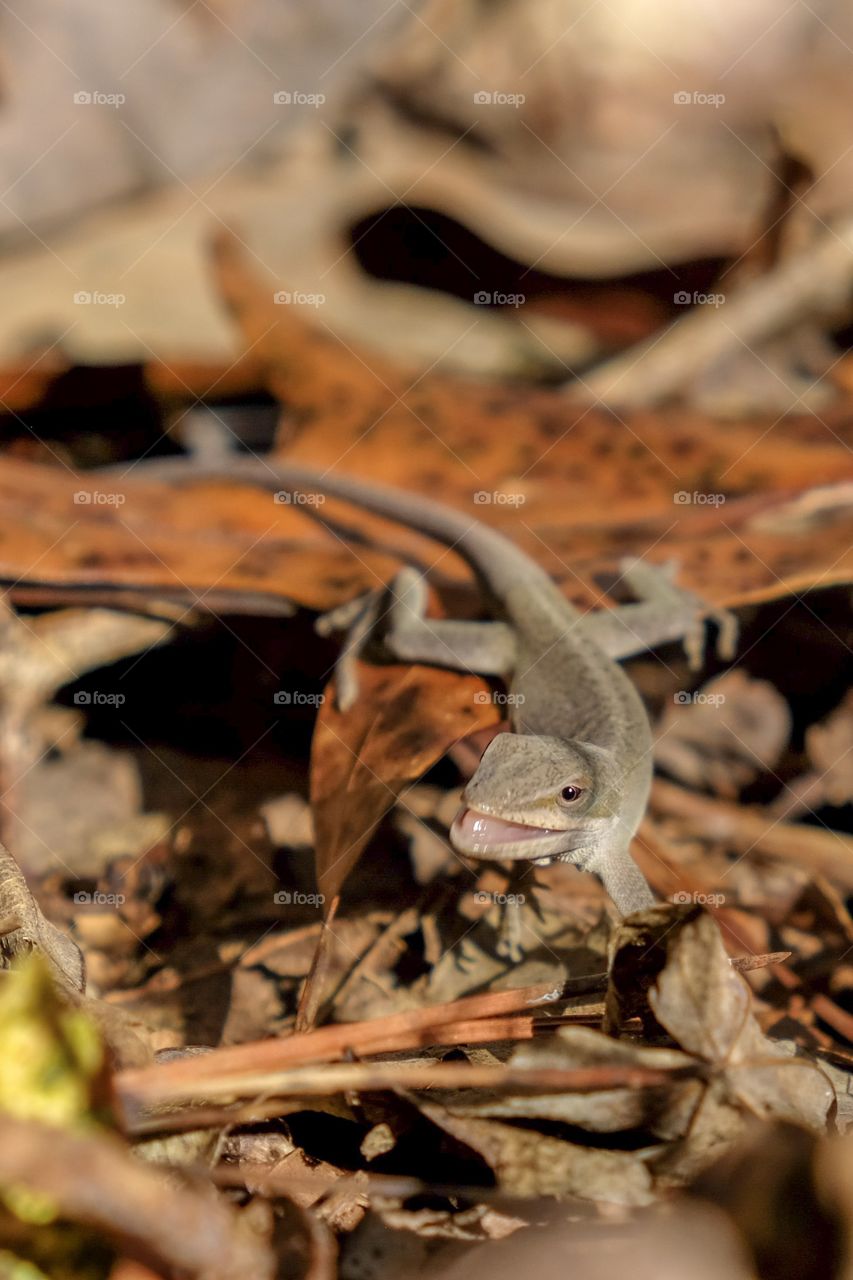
569	794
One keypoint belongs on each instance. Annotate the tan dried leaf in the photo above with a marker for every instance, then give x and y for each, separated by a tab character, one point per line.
663	1111
527	1163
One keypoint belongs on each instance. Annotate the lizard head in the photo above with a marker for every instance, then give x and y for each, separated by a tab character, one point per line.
538	798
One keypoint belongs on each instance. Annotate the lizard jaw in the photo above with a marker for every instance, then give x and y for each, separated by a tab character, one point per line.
483	835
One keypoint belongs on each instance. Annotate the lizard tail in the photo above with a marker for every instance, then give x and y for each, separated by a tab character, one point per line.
497	562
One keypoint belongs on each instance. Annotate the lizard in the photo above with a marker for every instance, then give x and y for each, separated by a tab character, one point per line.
571	780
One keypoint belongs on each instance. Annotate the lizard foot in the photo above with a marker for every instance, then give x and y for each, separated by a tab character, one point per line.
669	611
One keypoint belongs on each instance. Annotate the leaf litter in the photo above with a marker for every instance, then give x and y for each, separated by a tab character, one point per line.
412	1103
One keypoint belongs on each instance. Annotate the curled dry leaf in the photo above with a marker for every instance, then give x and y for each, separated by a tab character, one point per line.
37	657
674	958
404	720
706	1007
527	1163
698	997
27	930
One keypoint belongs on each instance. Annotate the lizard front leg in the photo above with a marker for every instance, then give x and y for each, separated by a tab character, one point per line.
665	612
623	880
408	635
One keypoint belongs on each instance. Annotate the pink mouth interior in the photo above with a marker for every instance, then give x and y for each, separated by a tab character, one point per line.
481	828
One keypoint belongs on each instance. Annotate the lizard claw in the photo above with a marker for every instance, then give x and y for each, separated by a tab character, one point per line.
728	629
695	639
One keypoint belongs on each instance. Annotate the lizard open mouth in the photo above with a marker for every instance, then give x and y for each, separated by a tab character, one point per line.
485	829
481	833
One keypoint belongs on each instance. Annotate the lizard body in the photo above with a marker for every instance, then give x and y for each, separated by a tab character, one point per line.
572	779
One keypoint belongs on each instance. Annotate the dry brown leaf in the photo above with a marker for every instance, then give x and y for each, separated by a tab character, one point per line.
699	998
662	1111
527	1163
25	929
621	484
674	957
86	530
706	1007
403	721
628	485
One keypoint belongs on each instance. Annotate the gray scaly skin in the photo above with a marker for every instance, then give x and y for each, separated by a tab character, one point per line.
572	780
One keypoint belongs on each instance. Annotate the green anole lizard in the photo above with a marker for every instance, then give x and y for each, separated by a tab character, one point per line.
571	781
